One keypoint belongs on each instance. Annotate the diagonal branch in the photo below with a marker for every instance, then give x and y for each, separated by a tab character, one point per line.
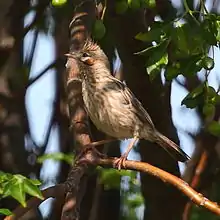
92	159
166	177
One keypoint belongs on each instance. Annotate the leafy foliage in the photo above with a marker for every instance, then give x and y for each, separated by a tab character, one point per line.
5	212
129	184
186	45
68	158
182	48
58	2
17	186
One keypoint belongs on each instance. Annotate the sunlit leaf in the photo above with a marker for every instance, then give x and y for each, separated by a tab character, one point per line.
136	201
31	189
17	186
56	156
155	69
16	189
58	2
208	63
5	176
35	182
151	3
111	178
5	212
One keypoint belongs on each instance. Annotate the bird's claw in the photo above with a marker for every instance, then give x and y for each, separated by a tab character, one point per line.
120	162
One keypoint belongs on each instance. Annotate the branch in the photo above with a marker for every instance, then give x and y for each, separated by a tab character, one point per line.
166	177
92	158
79	120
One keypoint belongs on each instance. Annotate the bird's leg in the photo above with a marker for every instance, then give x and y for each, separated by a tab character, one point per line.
92	146
120	162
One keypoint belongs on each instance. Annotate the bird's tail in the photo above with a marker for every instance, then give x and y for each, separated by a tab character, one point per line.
173	149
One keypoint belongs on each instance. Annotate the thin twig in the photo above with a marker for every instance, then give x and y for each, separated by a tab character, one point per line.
30	57
104	10
33	80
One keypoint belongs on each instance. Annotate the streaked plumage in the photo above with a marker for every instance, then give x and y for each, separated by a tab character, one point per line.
111	105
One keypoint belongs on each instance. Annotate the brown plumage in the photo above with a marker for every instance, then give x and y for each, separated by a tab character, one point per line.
111	105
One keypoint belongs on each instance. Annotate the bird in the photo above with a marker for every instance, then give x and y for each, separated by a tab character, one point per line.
111	105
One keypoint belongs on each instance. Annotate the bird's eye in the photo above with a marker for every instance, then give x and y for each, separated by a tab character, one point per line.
85	55
87	59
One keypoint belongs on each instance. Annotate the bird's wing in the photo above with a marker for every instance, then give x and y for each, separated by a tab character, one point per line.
131	100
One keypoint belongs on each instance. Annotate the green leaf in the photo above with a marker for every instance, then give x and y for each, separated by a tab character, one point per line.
214	128
35	182
212	96
208	63
32	189
5	177
98	29
134	4
150	3
58	2
156	53
210	29
171	72
17	185
121	6
208	110
155	69
194	98
136	202
16	190
5	212
111	178
218	31
56	156
187	41
152	35
190	65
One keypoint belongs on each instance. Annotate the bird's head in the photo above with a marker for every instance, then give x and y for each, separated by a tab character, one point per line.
91	60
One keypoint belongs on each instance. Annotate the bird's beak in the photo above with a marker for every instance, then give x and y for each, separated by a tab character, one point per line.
70	55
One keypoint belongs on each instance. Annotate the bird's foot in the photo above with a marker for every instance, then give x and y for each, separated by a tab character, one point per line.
120	162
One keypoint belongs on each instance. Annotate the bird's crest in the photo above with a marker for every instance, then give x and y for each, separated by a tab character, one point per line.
90	45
